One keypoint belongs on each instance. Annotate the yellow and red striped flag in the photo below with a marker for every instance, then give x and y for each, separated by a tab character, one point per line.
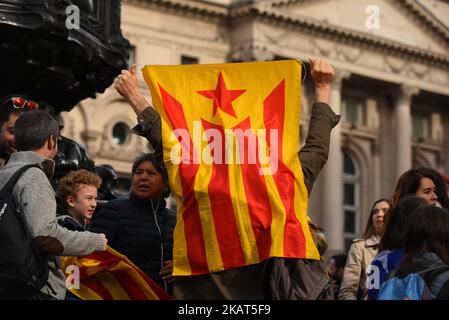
230	135
109	275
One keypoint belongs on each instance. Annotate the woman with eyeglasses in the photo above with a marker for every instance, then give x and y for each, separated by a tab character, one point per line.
140	227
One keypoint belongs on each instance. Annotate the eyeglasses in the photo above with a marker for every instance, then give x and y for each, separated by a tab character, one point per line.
20	103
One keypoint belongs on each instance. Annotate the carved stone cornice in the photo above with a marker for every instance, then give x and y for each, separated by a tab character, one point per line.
418	10
254	8
186	7
270	12
283	3
346	35
422	13
251	52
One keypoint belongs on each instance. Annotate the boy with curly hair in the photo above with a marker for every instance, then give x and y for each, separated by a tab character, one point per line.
77	193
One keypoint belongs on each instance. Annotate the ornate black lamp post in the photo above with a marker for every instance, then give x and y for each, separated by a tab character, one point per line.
47	55
59	52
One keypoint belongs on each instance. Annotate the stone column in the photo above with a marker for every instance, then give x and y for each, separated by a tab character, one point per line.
332	196
404	128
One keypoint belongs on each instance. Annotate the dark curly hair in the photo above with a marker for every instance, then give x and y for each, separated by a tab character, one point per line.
408	184
143	157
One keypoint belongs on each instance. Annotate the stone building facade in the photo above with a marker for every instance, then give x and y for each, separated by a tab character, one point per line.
392	85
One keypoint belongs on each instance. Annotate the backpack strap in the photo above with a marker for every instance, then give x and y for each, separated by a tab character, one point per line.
444	292
9	186
429	276
15	177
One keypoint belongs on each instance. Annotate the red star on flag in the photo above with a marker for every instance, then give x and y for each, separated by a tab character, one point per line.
222	96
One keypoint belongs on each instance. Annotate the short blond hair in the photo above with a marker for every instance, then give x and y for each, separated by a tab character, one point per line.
70	184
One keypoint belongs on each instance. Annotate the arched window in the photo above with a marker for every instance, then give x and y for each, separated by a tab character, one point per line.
351	191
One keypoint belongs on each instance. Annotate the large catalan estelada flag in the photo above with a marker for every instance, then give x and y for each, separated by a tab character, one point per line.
230	135
109	275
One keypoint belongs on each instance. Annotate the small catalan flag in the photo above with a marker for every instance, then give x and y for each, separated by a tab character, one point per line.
109	275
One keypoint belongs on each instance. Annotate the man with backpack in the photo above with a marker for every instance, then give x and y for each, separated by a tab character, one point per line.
30	202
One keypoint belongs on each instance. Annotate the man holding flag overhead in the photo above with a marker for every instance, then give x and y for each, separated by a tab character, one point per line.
228	136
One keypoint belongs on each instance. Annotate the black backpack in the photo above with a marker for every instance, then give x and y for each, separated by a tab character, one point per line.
23	268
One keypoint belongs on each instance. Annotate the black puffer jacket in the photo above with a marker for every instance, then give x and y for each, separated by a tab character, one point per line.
69	222
131	227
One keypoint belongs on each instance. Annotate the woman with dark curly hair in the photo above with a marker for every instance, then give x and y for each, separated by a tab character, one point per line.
140	227
416	182
440	187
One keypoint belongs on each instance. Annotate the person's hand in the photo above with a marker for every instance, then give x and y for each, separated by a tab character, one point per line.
105	241
166	271
322	74
127	86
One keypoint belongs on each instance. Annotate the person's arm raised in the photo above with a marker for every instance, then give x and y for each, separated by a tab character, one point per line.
127	86
322	74
313	155
148	119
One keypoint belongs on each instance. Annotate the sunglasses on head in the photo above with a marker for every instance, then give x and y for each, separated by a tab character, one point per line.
20	103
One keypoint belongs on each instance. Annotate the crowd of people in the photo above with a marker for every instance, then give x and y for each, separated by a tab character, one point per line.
408	234
403	238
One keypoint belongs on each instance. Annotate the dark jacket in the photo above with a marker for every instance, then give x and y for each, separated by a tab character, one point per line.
133	229
70	223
